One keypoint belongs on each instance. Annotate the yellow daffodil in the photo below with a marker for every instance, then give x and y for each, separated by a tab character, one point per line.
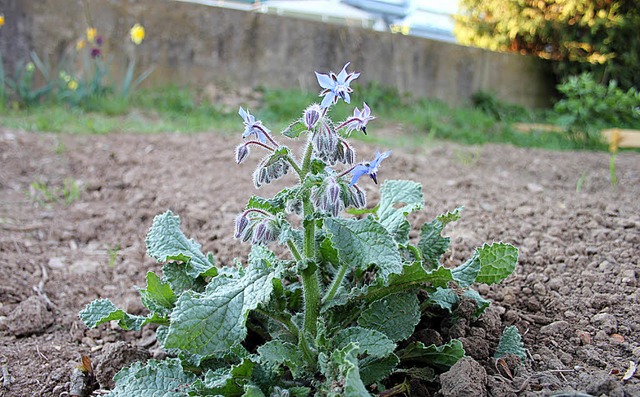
137	33
1	20
80	44
72	85
91	34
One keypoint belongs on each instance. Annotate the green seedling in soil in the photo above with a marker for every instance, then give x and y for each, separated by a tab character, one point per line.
43	194
113	255
335	312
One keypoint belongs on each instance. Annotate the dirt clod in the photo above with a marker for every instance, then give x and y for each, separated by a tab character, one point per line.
113	358
467	378
30	317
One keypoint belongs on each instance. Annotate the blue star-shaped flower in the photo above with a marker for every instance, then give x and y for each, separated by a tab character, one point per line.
359	120
251	126
370	168
336	86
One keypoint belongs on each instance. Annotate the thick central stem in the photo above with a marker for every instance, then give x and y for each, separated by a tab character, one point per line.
310	282
308	274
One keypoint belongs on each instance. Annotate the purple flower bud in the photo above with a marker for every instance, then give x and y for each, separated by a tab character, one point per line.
99	40
242	152
333	203
357	197
312	115
95	52
241	225
259	233
349	155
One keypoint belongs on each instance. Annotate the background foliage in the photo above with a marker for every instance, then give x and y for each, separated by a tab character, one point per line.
597	36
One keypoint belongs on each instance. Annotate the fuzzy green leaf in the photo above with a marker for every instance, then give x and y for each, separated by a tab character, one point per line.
348	373
213	322
158	296
432	244
102	311
364	242
394	315
439	357
295	129
166	242
176	275
252	391
153	379
481	303
276	353
399	198
444	298
489	264
511	342
372	342
497	262
228	382
374	369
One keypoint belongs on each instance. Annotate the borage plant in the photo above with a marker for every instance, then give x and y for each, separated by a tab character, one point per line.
334	313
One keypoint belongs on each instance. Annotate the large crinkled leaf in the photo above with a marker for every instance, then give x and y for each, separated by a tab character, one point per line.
228	382
364	242
276	353
398	198
102	311
212	322
153	379
375	369
413	276
176	275
439	357
347	379
394	315
166	242
158	297
372	342
432	244
511	343
489	264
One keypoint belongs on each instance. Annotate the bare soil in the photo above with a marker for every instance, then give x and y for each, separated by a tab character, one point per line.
574	295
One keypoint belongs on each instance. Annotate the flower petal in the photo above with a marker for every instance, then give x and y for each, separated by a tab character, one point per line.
357	172
343	75
325	81
328	100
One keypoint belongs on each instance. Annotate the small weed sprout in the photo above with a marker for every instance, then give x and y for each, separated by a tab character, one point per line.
334	316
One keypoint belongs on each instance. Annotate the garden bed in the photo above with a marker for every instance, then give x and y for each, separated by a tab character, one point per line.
574	295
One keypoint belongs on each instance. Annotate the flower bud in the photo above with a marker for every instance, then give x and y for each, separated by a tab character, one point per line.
333	203
311	116
241	225
349	155
358	197
242	152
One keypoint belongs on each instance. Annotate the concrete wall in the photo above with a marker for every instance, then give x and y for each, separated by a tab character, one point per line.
196	44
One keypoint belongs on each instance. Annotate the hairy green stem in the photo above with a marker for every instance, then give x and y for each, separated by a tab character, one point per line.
294	250
295	166
306	161
310	281
335	284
